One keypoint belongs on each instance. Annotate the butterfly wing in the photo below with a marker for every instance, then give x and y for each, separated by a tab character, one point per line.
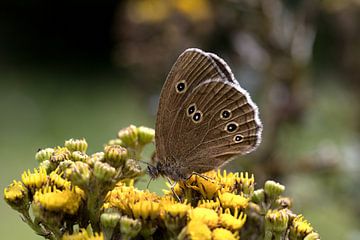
225	123
192	68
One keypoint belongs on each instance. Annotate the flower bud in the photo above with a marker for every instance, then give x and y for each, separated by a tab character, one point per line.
110	220
129	228
44	154
60	154
276	220
115	155
129	136
145	135
103	171
258	196
273	189
76	145
115	142
79	173
79	156
131	169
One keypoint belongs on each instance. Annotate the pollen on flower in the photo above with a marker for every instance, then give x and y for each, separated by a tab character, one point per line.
221	233
145	210
207	216
53	199
34	180
227	180
211	204
300	226
195	230
176	209
15	192
234	221
233	201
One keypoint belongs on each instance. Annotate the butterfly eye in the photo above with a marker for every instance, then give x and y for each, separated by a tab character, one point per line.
181	86
225	114
197	117
238	138
231	127
191	109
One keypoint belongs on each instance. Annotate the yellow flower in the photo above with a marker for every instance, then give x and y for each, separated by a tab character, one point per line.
221	233
227	180
211	204
145	210
195	230
16	195
176	210
122	197
34	180
53	199
207	216
59	181
129	136
300	227
83	234
246	183
232	222
233	201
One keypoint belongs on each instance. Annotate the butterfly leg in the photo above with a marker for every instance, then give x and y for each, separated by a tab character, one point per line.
172	185
202	176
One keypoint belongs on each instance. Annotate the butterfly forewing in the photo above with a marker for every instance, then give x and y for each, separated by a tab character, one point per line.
192	68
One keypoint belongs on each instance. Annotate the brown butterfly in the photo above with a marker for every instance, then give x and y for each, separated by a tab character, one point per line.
204	118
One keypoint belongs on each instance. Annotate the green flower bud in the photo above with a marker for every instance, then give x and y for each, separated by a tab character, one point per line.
276	221
48	165
44	154
273	189
131	169
129	228
258	196
99	156
79	173
76	145
115	155
60	154
110	220
129	136
145	135
116	142
103	171
79	156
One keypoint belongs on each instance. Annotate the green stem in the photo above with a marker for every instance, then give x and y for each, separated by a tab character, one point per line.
39	229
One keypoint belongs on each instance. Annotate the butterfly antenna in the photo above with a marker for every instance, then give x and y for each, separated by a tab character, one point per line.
150	180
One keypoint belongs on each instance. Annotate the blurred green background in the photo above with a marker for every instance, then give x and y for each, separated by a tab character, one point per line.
88	68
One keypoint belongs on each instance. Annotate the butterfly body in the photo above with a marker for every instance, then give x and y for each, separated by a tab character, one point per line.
204	118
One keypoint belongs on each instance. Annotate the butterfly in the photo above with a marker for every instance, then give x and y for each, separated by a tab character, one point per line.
204	118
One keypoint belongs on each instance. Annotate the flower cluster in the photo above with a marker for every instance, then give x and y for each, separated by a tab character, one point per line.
73	195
